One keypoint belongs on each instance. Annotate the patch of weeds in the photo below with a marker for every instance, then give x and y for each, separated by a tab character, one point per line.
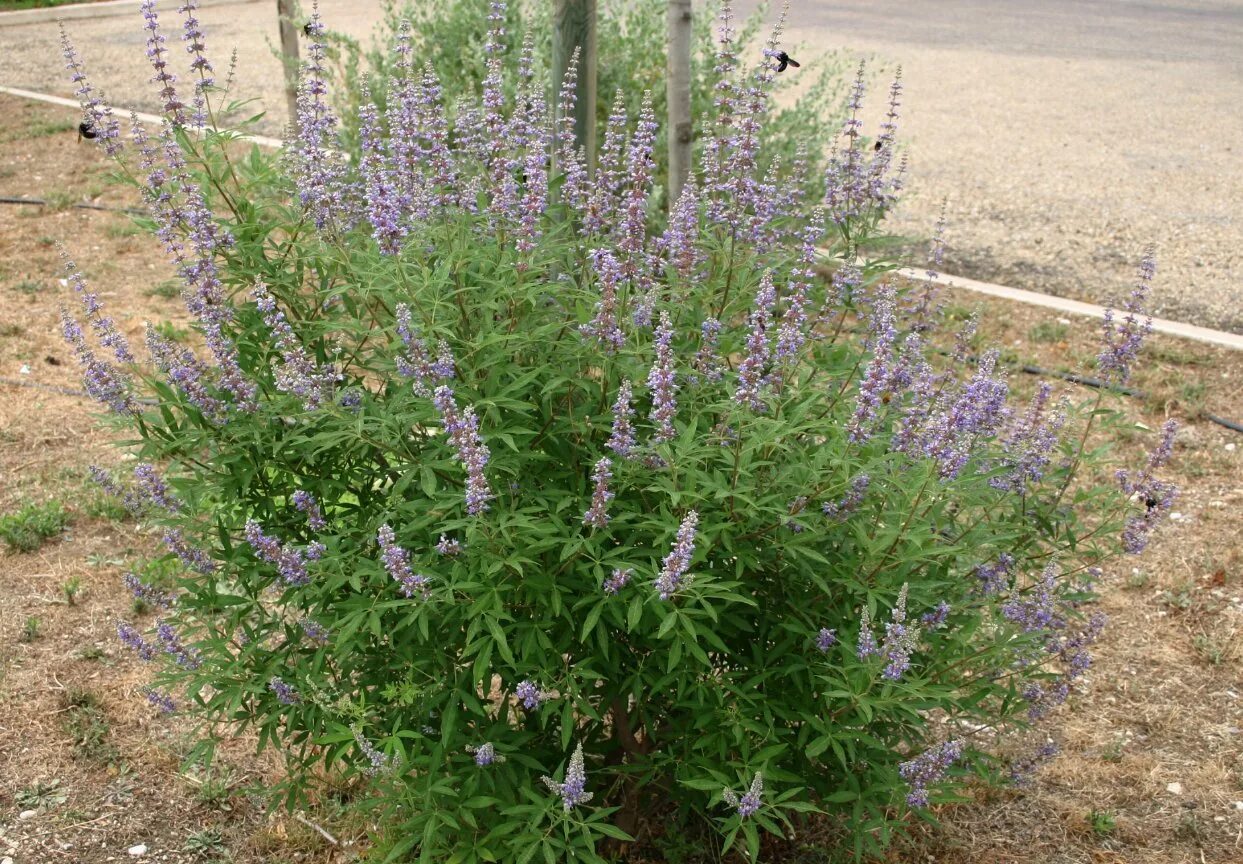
59	200
91	652
1102	822
1174	352
1138	579
1190	827
212	787
46	128
26	529
30	630
86	724
47	241
97	559
1180	598
172	332
101	505
1192	395
119	229
1048	332
29	287
71	588
169	289
206	843
43	795
1113	753
9	330
1212	650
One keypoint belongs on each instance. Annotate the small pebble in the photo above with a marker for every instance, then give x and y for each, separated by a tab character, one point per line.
27	815
1238	805
1175	788
1230	447
6	860
140	849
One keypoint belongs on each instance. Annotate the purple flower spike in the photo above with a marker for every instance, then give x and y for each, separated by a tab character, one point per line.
750	802
621	441
866	646
289	561
928	768
751	378
597	516
285	694
154	489
661	382
162	702
848	503
298	373
485	754
529	694
1122	341
573	790
825	639
305	502
673	574
462	427
397	563
604	328
618	580
131	638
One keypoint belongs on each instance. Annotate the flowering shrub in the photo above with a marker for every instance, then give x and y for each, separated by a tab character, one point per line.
554	526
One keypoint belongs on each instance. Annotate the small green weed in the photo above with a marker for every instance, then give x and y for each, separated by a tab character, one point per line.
71	588
41	796
205	843
1048	332
26	529
30	630
86	724
29	287
169	289
1103	822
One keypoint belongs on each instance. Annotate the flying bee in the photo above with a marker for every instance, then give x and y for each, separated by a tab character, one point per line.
87	130
306	28
784	60
878	145
1151	503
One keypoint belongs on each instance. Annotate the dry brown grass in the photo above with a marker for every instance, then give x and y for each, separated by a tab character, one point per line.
1165	704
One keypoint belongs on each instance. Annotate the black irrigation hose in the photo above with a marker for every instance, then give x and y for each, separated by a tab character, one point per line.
1089	381
81	205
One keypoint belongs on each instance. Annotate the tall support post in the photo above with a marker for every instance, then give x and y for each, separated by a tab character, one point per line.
574	26
289	56
678	90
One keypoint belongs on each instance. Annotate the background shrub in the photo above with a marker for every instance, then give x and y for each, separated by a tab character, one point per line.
550	528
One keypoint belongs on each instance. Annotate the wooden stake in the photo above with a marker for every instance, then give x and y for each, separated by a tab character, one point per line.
289	55
678	92
574	26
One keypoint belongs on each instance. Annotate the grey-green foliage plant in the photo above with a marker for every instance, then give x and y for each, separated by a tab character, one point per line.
631	46
549	530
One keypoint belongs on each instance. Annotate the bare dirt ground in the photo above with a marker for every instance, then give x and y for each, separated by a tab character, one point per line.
96	771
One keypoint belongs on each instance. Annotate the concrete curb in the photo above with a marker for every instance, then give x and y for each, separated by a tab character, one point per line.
109	9
1004	292
1078	307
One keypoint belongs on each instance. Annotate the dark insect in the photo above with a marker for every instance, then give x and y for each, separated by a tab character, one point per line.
784	60
87	130
1150	503
878	145
306	28
51	361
